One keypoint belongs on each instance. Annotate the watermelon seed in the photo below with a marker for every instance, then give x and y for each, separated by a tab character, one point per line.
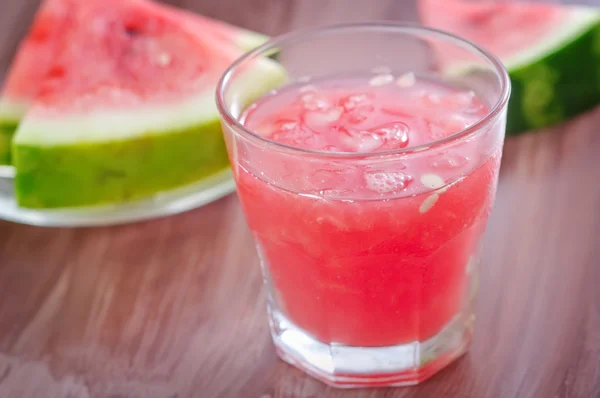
432	181
428	203
406	80
131	30
164	59
381	80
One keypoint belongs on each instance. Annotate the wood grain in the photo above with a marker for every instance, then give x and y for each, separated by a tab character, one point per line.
174	307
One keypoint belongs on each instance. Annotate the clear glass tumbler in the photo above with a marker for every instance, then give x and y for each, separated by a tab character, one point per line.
373	291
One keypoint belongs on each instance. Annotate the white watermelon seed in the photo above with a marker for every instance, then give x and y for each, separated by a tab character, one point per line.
432	181
428	203
406	80
381	80
164	59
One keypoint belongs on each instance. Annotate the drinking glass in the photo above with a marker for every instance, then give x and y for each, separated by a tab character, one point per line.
378	290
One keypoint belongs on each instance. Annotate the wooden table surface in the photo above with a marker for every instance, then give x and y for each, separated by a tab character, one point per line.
175	308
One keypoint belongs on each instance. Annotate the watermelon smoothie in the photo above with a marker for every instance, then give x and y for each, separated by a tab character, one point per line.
389	266
367	193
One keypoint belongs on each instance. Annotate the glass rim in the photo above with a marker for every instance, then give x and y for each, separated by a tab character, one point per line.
400	27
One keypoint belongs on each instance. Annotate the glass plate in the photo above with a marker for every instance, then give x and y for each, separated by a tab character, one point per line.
162	204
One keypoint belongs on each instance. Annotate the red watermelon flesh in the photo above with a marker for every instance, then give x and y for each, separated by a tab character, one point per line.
502	27
37	50
133	56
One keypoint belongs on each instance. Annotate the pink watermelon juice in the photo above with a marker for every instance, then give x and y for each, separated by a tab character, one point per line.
360	249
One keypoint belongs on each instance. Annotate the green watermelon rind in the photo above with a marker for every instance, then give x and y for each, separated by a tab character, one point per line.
7	131
563	83
83	173
117	171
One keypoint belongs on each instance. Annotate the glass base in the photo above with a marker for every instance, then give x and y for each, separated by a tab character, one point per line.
349	367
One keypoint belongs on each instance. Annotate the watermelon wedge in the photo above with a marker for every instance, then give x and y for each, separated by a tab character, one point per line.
127	107
552	53
38	49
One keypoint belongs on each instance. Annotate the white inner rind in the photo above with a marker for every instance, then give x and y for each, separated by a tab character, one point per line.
111	125
579	20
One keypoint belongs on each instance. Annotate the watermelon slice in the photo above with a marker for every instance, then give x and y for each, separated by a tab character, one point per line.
126	108
39	48
552	53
